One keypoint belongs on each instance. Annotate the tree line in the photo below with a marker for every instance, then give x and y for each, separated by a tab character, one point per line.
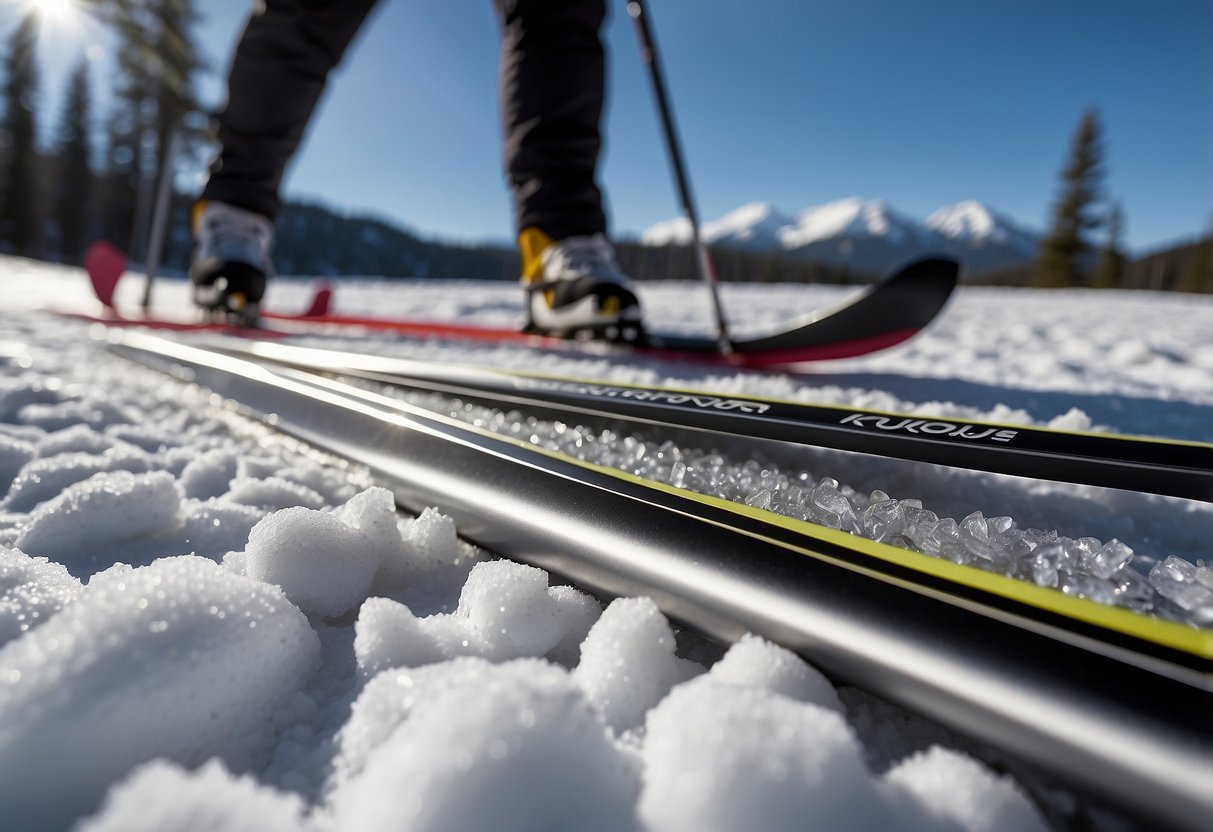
53	203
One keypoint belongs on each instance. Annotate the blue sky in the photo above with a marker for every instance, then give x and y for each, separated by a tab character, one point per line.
792	102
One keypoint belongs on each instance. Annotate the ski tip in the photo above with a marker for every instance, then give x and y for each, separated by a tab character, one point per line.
322	301
938	270
105	264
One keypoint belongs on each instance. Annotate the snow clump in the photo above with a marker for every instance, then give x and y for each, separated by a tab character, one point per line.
31	591
628	663
953	788
472	745
162	796
506	611
106	508
180	660
718	756
324	566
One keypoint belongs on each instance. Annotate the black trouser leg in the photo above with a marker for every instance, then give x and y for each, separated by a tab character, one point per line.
277	77
552	92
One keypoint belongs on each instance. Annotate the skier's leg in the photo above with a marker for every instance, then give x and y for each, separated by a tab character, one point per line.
278	74
552	91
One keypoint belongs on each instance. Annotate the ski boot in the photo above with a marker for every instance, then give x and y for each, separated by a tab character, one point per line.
575	289
231	261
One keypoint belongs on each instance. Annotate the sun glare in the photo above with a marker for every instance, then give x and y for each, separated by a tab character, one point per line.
59	14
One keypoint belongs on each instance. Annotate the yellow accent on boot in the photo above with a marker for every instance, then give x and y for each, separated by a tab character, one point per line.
532	243
196	215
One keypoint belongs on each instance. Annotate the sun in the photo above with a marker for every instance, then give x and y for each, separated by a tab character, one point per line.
53	13
58	11
60	21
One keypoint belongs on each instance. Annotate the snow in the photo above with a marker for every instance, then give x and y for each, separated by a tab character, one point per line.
759	224
203	626
178	660
967	220
852	217
975	224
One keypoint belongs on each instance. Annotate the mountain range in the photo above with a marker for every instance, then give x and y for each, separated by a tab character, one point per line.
865	235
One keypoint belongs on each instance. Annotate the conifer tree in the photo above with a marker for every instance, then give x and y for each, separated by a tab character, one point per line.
74	182
1065	253
157	60
19	214
1110	270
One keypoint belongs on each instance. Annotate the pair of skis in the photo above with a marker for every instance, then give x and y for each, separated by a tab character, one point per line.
880	317
1108	699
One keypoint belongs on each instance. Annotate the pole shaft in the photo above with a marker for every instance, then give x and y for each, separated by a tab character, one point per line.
707	268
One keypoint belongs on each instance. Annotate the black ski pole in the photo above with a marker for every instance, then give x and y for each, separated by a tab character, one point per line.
707	269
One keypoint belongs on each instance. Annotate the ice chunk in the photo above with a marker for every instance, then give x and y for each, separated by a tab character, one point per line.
1087	586
469	745
955	789
1046	561
324	566
161	796
833	509
755	662
104	509
723	757
883	520
628	663
31	591
759	499
180	659
1176	580
975	538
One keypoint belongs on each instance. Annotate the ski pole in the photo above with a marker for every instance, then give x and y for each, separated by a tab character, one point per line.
155	241
707	269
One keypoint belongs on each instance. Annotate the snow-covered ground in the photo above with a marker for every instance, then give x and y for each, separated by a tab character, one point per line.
205	627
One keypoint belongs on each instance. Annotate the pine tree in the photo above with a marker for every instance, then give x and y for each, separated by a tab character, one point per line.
19	209
155	96
1110	269
74	183
1065	252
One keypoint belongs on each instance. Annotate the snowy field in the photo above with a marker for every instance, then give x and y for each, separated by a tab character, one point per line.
204	627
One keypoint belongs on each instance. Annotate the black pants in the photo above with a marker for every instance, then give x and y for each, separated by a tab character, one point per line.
552	89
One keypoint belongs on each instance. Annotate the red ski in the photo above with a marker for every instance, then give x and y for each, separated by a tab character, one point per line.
880	317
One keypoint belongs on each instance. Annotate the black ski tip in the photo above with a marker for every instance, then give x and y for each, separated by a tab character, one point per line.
915	294
933	271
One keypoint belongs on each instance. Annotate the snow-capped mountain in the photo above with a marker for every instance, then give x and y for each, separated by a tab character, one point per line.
977	226
754	225
866	235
